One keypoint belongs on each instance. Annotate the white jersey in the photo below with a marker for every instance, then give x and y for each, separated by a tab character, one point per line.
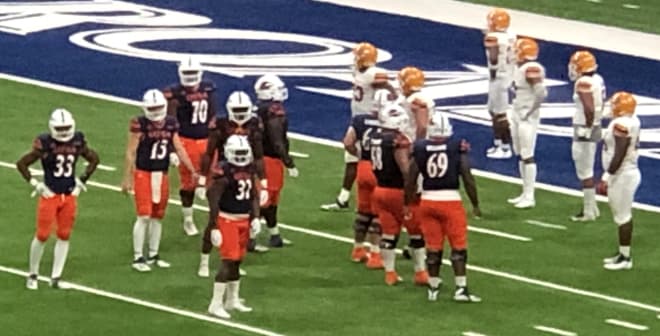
525	93
624	126
362	101
413	104
594	85
506	56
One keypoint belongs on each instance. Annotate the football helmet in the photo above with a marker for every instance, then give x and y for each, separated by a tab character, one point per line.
239	107
623	103
581	62
394	117
154	105
271	87
190	72
411	79
365	55
498	20
238	151
439	126
526	49
61	124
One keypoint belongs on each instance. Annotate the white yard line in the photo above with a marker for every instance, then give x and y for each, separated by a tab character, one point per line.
299	155
630	6
102	167
626	324
545	225
479	269
472	333
554	331
151	305
499	234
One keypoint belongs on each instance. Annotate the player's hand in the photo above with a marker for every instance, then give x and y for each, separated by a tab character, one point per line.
80	187
200	189
263	193
41	189
476	212
216	237
127	186
255	227
601	188
174	160
407	213
584	133
293	172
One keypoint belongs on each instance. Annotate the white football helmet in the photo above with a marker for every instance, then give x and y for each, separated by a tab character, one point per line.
382	98
439	126
190	72
238	151
61	124
271	87
394	117
239	107
154	105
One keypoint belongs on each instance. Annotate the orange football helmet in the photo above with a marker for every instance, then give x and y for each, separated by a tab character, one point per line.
526	49
581	62
365	55
498	20
623	103
410	79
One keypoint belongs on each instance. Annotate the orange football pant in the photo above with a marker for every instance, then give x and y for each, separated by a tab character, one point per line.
144	205
235	235
59	209
366	183
195	148
274	171
440	219
388	205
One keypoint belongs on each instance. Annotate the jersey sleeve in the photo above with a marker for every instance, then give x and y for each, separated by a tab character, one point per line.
37	144
380	76
534	72
135	126
621	129
583	86
490	41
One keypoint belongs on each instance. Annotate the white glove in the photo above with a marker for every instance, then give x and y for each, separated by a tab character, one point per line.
255	227
263	193
174	159
293	172
216	237
80	187
584	132
41	189
200	190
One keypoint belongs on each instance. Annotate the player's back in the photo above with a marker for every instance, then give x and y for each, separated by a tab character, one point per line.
59	161
267	110
439	165
155	143
384	144
364	125
625	126
194	109
413	104
363	89
593	85
506	55
525	95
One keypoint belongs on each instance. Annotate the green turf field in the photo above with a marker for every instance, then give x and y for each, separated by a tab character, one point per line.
555	279
607	12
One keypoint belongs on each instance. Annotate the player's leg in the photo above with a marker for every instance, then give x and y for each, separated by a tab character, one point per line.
66	216
46	212
515	143
207	246
621	194
155	224
498	104
456	229
143	208
584	155
430	218
492	107
390	213
416	246
350	173
229	253
187	185
364	215
374	233
527	138
233	301
274	170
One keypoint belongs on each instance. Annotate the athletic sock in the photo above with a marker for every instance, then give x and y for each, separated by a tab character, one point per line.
388	259
155	232
344	195
419	257
529	179
461	281
625	251
36	251
218	294
187	214
589	200
59	257
139	232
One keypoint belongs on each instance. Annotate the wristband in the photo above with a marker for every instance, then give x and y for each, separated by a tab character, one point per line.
202	180
606	177
264	183
33	182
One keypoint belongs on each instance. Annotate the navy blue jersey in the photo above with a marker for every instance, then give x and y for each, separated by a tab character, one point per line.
155	146
194	109
58	160
364	124
237	195
252	128
439	163
383	145
267	110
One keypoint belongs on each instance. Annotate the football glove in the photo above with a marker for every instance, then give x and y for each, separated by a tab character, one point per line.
174	159
40	189
584	133
255	227
216	237
200	189
293	172
80	187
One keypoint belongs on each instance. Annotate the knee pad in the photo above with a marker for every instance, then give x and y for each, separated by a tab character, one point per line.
434	258
361	222
459	255
375	227
416	242
389	242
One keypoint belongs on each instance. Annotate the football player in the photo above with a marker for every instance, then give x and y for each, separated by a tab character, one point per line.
589	96
442	159
234	210
239	121
367	78
499	44
418	106
271	94
193	103
524	120
622	176
152	140
58	151
390	155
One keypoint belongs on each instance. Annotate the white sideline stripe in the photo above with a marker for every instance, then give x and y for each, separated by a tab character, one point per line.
478	269
554	331
545	225
499	234
299	155
102	167
472	333
147	304
626	324
630	6
317	140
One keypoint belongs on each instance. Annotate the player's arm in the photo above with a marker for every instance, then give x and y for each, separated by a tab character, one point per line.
410	188
469	183
92	159
492	50
258	153
129	160
402	158
350	141
213	194
172	103
622	141
277	137
587	98
211	145
28	159
254	194
381	81
181	152
421	111
534	78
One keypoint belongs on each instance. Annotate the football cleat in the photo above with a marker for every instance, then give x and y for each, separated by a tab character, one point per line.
277	241
219	312
462	294
611	259
525	204
391	278
375	261
57	284
421	278
406	253
32	282
515	200
237	305
336	206
190	229
621	263
242	272
254	247
432	293
203	271
140	265
499	154
158	262
583	217
359	254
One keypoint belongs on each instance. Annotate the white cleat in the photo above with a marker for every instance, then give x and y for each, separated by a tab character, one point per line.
203	271
242	272
57	283
525	204
621	263
140	265
337	206
190	229
432	293
158	262
584	217
515	199
219	312
611	259
499	154
463	295
32	282
237	305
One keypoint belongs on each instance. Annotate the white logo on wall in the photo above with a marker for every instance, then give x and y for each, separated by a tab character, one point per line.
331	58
